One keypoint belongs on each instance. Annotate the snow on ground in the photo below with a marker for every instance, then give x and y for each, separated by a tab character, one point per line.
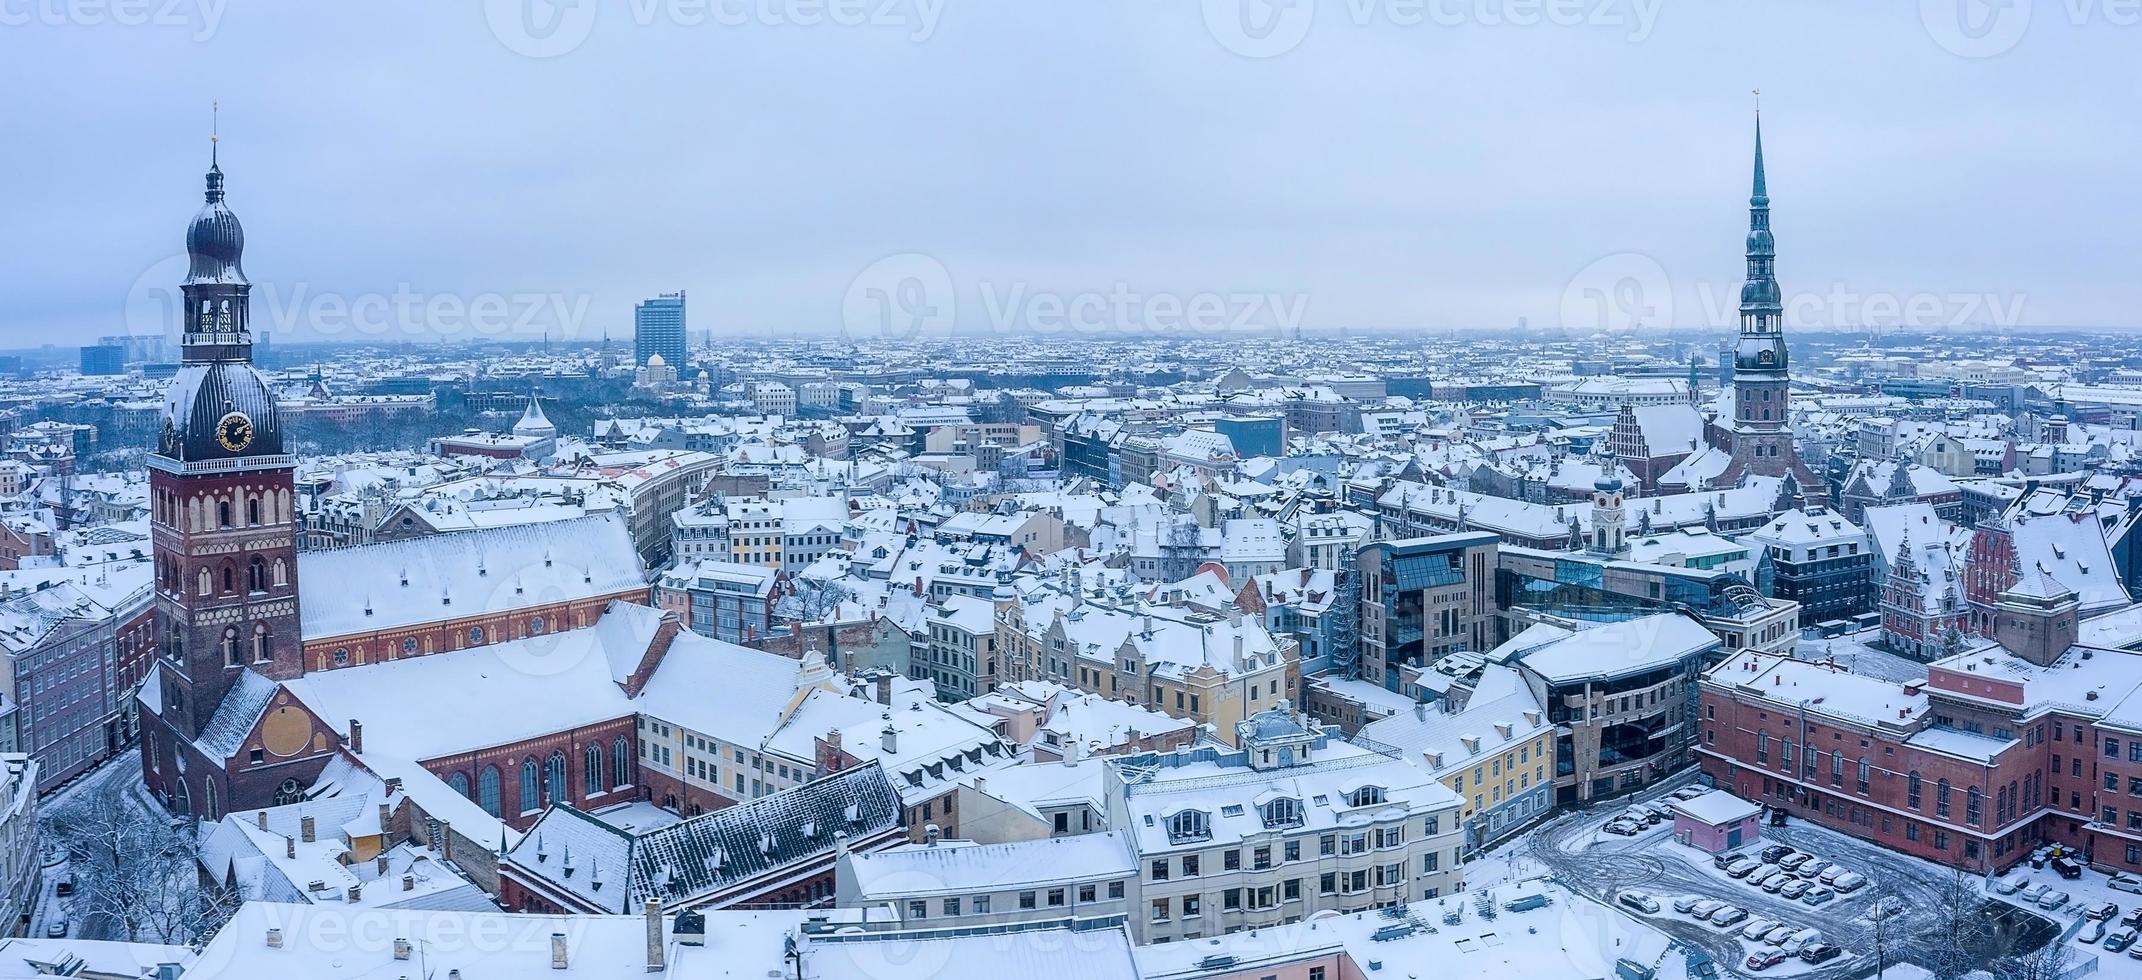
1855	652
2084	892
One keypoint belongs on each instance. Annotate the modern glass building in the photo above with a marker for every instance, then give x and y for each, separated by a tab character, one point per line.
658	328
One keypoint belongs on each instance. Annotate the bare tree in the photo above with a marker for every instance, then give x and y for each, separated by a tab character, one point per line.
143	872
2051	961
1945	947
812	602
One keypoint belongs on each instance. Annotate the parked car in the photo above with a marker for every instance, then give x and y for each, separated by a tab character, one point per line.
1884	908
1763	874
1818	894
2067	867
2125	883
1830	874
2101	910
1793	861
1722	861
2031	893
2091	932
1685	904
1623	826
64	888
2134	951
2011	884
1794	889
1774	852
2052	900
1703	909
1729	915
1765	959
1818	953
1812	869
1800	940
1637	816
1689	792
1756	929
1742	868
2119	940
1777	882
1850	881
56	929
1638	902
1777	936
2133	918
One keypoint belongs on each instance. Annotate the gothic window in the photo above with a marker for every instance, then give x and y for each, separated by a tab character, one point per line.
208	800
208	583
487	790
223	513
289	792
252	510
282	573
230	646
459	782
591	771
256	575
230	579
554	778
261	653
529	787
620	761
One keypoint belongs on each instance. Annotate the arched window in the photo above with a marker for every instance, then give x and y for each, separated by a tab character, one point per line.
230	647
256	575
261	653
1941	799
1974	806
282	573
1189	825
230	579
620	762
223	513
409	646
487	790
459	782
591	771
475	636
1862	774
208	799
208	584
554	778
529	787
252	511
289	792
535	626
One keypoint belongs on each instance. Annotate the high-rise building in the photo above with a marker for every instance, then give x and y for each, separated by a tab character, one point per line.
658	328
104	359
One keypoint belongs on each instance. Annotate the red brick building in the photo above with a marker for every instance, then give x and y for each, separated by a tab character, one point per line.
2032	740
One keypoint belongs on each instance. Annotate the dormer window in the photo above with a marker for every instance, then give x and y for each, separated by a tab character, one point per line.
1283	812
1366	796
1189	825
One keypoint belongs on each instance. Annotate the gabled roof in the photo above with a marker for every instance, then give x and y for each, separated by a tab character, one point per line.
684	863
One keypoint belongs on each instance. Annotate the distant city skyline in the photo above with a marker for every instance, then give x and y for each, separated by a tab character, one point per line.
1115	170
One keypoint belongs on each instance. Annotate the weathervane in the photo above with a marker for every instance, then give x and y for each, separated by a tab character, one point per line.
215	128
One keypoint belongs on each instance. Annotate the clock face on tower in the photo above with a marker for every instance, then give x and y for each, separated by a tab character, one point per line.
234	432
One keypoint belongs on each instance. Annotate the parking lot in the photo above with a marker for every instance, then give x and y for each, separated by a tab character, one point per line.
1605	866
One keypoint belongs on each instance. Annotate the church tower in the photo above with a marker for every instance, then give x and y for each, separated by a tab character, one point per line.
222	514
1609	518
1762	443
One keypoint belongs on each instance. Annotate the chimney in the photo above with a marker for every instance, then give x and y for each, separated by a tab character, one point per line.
931	835
379	864
654	935
386	819
305	828
401	948
275	939
557	951
261	818
890	741
356	736
884	684
289	846
409	883
356	893
446	841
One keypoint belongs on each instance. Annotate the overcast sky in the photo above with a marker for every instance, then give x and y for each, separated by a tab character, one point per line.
448	166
